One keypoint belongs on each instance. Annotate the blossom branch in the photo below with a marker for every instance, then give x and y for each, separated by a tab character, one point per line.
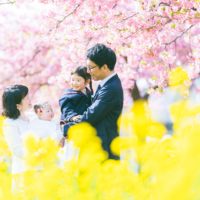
114	6
36	52
179	36
164	4
28	74
147	28
134	32
128	17
88	42
60	21
122	20
8	2
161	16
8	78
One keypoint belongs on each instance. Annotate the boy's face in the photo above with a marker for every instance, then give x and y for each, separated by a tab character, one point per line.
46	114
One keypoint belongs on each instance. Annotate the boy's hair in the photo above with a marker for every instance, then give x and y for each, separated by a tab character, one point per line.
82	71
101	55
39	106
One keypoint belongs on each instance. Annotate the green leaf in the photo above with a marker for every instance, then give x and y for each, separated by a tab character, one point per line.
173	25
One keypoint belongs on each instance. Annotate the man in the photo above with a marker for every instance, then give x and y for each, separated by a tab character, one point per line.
108	100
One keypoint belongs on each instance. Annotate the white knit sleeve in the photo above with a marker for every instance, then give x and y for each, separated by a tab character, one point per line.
13	138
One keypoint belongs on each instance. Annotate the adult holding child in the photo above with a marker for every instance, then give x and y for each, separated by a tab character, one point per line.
108	100
16	102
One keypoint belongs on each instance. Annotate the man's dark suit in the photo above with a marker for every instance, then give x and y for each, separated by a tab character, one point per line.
104	112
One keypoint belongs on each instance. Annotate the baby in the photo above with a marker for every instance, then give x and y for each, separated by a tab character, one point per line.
45	126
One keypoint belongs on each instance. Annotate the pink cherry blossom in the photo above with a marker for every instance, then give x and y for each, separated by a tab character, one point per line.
41	46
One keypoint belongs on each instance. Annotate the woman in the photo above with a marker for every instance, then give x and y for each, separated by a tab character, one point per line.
16	102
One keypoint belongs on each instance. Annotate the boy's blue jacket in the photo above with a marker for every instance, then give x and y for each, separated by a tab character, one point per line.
74	103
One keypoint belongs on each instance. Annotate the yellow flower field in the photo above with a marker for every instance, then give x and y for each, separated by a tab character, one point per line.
167	169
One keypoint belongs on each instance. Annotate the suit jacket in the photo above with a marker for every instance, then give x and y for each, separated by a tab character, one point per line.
74	103
104	113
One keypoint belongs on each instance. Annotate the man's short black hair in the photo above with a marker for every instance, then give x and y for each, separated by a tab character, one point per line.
101	55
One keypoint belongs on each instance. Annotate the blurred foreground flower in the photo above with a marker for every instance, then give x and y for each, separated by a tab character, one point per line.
168	169
179	79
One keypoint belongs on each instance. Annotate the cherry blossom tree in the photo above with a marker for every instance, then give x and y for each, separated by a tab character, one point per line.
150	38
24	58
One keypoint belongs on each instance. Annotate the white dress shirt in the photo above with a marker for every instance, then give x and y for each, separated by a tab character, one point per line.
14	130
106	79
84	91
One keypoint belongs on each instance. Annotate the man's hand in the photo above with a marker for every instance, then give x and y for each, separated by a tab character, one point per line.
62	142
75	118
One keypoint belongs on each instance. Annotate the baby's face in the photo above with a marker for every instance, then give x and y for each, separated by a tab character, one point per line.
46	114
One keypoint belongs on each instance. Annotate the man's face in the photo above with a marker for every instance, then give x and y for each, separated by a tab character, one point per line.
96	73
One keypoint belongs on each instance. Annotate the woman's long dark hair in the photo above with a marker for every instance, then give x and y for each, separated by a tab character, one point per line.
12	96
82	71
